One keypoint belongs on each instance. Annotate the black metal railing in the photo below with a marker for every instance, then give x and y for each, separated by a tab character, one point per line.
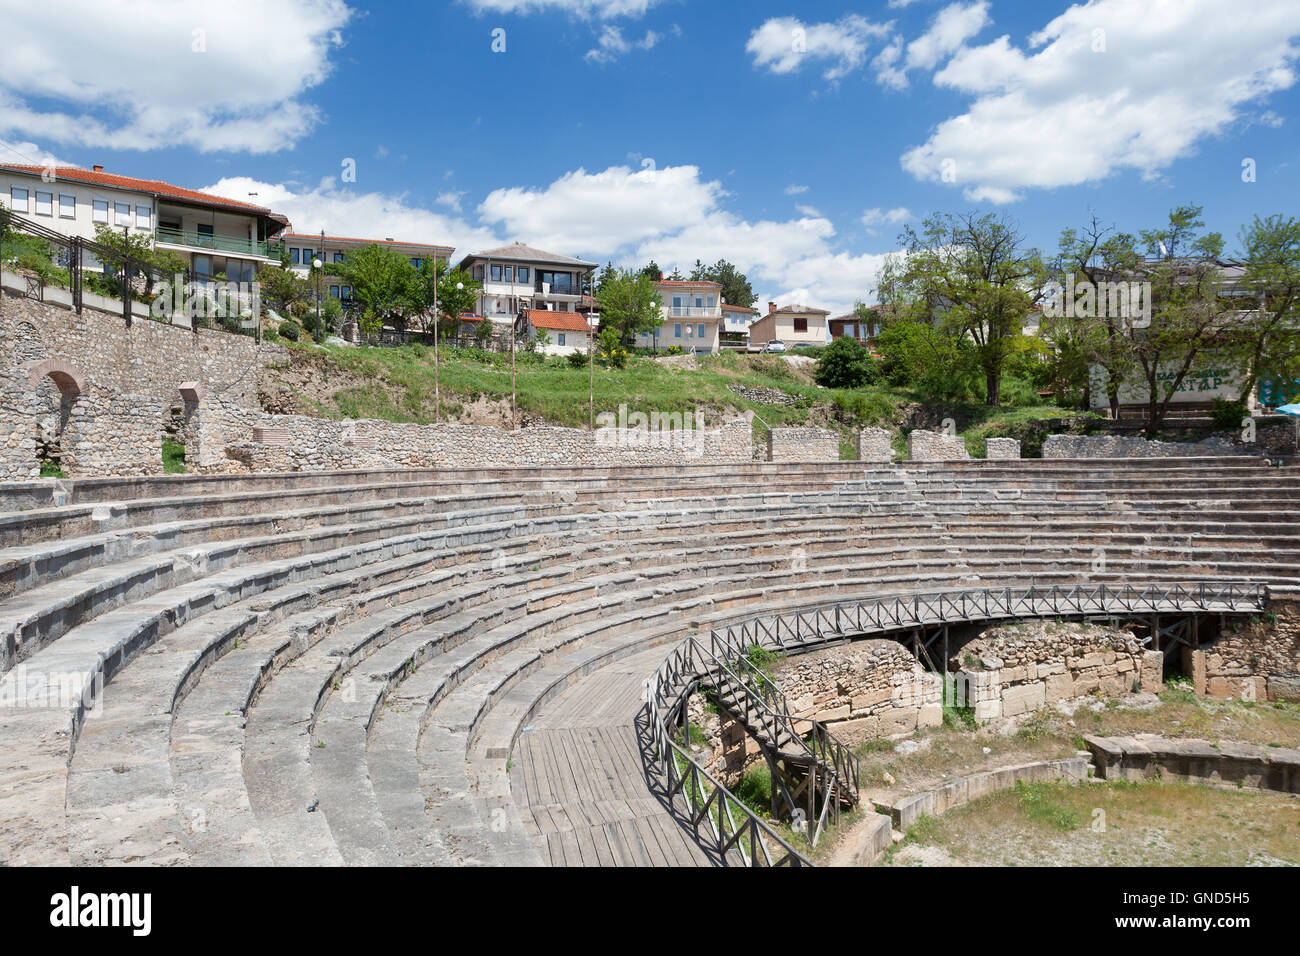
720	662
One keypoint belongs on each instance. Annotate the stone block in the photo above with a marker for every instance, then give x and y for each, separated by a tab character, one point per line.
1022	699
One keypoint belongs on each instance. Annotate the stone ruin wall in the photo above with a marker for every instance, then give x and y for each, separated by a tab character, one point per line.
1257	659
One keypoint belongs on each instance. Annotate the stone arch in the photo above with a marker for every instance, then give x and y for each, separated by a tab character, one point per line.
64	374
54	439
180	421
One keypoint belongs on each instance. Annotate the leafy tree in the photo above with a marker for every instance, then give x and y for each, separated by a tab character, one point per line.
1265	340
1189	307
381	279
736	289
629	304
281	288
452	301
653	272
972	275
845	363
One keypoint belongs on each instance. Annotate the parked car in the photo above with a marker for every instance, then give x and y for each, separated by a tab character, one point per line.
775	345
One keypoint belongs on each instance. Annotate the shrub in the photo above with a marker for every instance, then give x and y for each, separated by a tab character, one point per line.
290	330
576	359
1228	414
845	363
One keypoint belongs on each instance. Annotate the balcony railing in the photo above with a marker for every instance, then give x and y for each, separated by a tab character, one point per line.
689	312
231	244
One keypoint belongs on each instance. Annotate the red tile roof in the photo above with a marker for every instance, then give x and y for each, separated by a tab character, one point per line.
693	285
153	186
737	308
559	321
365	242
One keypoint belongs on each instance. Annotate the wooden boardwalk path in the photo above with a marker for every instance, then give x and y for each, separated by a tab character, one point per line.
582	786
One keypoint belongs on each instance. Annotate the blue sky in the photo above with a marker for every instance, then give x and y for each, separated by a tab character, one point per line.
793	139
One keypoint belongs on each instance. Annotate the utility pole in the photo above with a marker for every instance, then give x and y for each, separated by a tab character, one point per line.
591	374
437	403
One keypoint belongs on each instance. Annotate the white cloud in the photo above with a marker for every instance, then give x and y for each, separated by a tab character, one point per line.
879	217
29	154
166	73
611	44
810	211
1111	85
948	31
451	200
784	44
794	190
605	9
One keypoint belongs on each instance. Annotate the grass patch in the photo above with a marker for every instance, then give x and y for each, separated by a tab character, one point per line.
173	458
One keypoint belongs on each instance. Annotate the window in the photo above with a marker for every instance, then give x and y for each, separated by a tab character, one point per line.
417	262
801	325
143	217
44	203
17	199
699	302
334	292
202	267
677	305
306	256
67	206
496	273
700	331
708	302
347	292
121	214
478	273
338	257
677	331
522	273
293	255
99	211
561	338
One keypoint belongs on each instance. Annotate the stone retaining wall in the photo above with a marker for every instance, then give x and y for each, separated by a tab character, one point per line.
1254	660
868	688
874	445
802	444
319	444
1013	670
905	811
1113	446
1002	449
924	445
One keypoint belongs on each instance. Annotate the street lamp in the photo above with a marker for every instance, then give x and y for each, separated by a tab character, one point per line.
320	276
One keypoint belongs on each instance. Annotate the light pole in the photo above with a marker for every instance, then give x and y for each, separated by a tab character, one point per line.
318	265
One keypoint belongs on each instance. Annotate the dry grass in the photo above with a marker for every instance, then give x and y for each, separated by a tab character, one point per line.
1111	824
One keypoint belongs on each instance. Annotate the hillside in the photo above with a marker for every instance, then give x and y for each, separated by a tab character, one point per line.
397	384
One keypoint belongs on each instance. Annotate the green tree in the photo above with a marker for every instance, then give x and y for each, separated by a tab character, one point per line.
845	363
629	304
1265	340
281	288
972	275
453	301
736	289
381	279
653	272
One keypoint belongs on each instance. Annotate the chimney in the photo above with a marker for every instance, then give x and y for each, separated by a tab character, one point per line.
99	169
771	307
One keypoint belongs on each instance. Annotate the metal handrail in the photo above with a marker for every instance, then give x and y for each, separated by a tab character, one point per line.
671	685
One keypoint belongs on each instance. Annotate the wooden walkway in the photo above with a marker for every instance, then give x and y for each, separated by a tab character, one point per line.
581	783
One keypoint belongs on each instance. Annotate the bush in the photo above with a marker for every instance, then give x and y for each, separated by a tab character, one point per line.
845	363
1228	414
576	359
290	330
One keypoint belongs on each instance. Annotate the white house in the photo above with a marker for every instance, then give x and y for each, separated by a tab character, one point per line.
735	325
791	324
564	332
692	318
214	235
517	278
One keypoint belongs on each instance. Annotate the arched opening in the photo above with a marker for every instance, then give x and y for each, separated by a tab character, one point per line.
180	429
59	386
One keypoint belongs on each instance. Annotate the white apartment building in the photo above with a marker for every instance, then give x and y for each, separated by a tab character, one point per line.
214	235
692	318
303	248
517	278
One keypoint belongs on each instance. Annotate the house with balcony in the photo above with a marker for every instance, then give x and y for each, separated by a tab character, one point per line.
215	236
692	318
518	278
792	324
301	249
